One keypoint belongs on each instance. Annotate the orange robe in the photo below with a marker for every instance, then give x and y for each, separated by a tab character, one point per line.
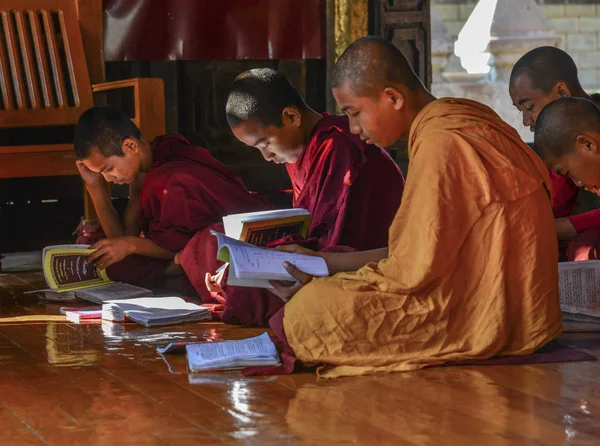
472	267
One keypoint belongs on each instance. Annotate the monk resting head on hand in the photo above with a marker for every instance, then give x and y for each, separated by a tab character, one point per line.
265	111
108	144
567	137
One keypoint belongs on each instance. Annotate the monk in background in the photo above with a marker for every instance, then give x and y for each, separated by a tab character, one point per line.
541	76
184	191
567	136
351	188
470	272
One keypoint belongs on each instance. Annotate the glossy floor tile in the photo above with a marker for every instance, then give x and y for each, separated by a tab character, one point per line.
104	384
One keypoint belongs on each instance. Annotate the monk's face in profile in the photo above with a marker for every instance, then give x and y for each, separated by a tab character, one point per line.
376	117
117	169
581	163
279	144
530	101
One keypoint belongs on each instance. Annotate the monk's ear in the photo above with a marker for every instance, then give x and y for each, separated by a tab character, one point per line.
562	90
585	143
291	116
395	96
130	144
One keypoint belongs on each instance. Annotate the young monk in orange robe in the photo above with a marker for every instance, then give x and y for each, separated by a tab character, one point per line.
541	76
352	189
184	191
471	269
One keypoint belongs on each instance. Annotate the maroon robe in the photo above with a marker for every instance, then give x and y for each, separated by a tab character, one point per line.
586	244
185	192
352	191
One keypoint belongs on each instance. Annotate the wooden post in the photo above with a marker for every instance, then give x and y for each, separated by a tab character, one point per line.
346	21
90	16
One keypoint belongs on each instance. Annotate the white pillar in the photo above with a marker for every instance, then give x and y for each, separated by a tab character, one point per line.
499	32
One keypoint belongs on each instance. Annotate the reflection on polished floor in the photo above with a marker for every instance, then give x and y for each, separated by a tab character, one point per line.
95	384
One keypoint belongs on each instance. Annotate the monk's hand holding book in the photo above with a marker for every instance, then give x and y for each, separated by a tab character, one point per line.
214	283
111	250
286	290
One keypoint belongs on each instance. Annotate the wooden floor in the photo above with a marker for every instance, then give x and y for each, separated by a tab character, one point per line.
94	384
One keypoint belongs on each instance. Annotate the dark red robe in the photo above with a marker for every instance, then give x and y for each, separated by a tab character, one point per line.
185	192
586	244
352	191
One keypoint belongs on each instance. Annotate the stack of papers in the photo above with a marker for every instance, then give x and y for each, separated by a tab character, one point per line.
231	355
153	311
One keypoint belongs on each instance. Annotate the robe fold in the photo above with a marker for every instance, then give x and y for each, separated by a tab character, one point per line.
472	267
564	195
352	191
185	192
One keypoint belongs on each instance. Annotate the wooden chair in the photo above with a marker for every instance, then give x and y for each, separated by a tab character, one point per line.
44	81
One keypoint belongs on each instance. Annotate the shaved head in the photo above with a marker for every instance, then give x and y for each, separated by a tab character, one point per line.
545	67
371	64
561	122
261	94
567	137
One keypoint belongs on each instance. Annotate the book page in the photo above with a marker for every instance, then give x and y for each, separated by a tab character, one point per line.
579	286
208	354
251	262
65	268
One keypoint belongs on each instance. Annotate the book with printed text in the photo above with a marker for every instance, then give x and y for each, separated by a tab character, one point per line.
263	227
66	271
252	266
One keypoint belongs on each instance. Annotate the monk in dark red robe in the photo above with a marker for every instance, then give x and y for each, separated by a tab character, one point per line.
540	77
352	189
567	139
185	191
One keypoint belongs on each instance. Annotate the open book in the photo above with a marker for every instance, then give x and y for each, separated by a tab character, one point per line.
263	227
254	267
230	355
579	286
65	271
153	311
65	268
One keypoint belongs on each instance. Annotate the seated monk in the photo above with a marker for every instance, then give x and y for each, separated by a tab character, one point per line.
185	191
351	188
538	78
567	137
470	272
